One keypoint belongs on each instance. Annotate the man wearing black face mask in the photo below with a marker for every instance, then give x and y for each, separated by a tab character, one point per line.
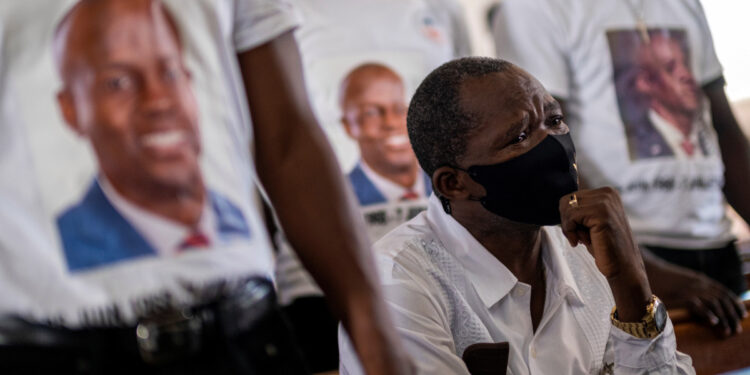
487	262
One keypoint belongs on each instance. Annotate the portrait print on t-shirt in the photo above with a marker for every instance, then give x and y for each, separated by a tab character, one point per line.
139	115
387	178
660	103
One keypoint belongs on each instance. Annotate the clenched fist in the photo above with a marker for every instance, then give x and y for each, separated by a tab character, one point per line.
597	219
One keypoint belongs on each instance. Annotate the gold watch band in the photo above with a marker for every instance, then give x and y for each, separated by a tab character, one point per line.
647	327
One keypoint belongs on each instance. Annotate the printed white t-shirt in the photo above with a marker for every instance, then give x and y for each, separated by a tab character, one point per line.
410	37
615	81
48	174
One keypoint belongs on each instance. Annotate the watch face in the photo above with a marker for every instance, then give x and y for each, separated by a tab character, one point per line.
660	315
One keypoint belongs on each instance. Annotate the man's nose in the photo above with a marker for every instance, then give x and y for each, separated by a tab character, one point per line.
684	74
394	120
157	97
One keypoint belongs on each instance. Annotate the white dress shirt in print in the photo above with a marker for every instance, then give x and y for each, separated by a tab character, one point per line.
392	191
166	236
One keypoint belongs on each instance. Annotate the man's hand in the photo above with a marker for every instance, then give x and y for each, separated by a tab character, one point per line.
598	220
706	299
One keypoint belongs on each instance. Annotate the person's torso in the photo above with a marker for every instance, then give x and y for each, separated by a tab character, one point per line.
415	250
49	171
672	200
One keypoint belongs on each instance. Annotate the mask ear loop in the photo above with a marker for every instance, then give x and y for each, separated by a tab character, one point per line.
471	175
446	203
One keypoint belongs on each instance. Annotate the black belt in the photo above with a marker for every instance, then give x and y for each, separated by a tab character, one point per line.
242	332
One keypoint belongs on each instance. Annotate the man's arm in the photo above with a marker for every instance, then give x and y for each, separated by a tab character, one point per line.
705	298
678	286
735	151
306	187
597	219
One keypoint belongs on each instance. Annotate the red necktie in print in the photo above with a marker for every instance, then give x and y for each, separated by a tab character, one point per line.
195	240
409	195
688	146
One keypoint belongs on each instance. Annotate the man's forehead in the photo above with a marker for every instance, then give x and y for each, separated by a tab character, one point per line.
95	29
502	92
363	82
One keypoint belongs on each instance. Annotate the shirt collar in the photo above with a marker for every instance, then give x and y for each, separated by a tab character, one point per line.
490	278
391	190
163	234
673	136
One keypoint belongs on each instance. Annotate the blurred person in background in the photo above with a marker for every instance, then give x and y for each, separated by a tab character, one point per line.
643	94
410	38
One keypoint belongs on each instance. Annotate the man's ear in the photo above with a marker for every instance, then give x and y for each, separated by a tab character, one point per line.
68	110
351	129
449	184
644	82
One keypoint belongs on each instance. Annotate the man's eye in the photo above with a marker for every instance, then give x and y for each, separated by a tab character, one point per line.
555	121
371	112
521	137
170	75
119	83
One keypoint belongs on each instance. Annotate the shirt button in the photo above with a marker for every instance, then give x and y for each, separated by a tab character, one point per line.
519	292
533	352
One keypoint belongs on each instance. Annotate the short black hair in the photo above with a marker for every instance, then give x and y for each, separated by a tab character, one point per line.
437	124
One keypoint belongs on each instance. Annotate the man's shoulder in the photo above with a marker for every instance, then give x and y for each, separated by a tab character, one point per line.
364	188
90	208
404	242
396	241
412	249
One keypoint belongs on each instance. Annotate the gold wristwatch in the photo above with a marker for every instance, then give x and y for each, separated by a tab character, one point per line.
650	326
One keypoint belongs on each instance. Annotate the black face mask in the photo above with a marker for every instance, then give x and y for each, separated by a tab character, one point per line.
528	188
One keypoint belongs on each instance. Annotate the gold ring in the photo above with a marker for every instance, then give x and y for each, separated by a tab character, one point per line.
573	201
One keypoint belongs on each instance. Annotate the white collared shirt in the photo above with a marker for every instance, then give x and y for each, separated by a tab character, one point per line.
446	292
164	235
391	190
674	137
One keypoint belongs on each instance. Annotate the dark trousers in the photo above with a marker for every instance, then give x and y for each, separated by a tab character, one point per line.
242	334
316	331
722	264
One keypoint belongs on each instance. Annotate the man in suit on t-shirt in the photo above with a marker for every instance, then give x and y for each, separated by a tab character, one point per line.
373	107
126	90
658	94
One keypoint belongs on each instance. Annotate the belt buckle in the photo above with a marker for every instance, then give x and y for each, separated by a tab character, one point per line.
167	337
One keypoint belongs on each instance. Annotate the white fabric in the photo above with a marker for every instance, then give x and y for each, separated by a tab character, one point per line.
446	292
391	190
412	37
670	201
45	168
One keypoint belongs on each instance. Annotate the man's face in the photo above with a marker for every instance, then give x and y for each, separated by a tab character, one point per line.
672	82
374	114
133	101
515	114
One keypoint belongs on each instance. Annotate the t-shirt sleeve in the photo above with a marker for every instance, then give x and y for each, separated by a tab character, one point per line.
710	68
259	21
532	35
